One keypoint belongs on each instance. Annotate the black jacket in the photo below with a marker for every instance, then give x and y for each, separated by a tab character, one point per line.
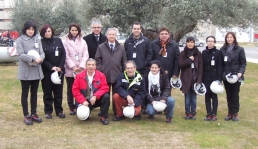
49	48
211	72
143	52
165	89
237	64
136	90
169	63
93	44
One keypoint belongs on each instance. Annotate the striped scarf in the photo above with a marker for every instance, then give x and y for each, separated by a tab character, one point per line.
163	49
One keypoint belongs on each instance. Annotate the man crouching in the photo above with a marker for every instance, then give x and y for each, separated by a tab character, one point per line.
130	90
90	89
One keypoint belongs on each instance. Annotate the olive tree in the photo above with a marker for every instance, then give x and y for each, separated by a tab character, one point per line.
180	16
57	13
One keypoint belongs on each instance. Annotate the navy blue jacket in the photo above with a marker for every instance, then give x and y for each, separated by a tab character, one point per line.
169	63
136	91
143	53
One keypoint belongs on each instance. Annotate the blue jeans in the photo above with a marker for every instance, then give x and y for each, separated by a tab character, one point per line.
169	111
190	102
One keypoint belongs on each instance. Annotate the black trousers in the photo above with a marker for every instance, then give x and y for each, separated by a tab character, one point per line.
103	103
70	100
33	86
232	91
52	93
113	91
211	107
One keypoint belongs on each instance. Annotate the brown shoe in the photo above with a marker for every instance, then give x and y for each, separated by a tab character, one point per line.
229	117
235	117
187	116
169	120
214	118
193	116
207	118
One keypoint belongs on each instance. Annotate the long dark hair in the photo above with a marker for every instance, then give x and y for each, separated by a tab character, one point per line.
234	36
28	25
70	36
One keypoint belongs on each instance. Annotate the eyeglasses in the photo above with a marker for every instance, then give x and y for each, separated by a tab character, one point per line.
96	27
210	41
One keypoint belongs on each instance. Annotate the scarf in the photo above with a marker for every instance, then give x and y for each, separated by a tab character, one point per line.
153	81
230	52
163	49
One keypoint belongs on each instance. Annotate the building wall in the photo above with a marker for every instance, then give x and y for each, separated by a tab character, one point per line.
5	11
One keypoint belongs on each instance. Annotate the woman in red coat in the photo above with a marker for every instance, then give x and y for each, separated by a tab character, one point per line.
191	65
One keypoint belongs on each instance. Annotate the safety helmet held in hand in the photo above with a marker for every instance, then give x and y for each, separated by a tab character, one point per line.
159	106
35	54
199	89
129	111
55	78
176	82
216	87
231	78
83	112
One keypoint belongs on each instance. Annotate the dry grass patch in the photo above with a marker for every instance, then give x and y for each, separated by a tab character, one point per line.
144	134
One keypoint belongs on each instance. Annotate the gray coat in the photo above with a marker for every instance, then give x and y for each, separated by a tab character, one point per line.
25	71
110	63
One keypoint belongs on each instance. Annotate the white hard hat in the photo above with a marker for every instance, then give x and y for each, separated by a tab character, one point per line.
83	112
199	89
55	78
176	82
216	87
35	54
159	106
231	78
129	111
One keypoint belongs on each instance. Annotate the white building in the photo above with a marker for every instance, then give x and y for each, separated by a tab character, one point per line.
242	36
5	9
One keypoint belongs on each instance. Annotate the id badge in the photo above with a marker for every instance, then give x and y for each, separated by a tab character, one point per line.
225	58
165	55
36	45
212	62
76	57
56	53
192	65
134	55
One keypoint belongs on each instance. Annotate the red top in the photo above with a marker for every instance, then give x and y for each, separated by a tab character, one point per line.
99	86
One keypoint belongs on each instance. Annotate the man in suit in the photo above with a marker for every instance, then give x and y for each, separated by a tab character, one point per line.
95	38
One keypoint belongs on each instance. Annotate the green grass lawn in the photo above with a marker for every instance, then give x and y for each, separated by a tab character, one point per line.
144	134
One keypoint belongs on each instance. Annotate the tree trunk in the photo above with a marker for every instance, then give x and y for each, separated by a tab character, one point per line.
180	33
151	34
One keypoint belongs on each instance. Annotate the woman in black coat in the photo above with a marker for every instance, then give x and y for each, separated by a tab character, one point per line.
234	62
54	61
212	71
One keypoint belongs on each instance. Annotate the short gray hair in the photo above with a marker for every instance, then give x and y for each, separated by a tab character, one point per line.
91	60
112	28
96	22
130	61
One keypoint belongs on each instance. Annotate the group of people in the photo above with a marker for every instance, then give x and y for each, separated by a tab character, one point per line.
98	68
